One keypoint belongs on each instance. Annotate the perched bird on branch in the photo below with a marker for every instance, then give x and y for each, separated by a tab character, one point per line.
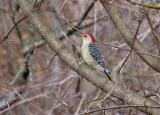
92	54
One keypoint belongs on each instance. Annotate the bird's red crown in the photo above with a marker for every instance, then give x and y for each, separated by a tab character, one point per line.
90	35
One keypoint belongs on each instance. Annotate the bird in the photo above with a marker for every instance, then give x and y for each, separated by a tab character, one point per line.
92	54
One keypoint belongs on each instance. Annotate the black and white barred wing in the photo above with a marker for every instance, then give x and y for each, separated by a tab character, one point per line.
97	55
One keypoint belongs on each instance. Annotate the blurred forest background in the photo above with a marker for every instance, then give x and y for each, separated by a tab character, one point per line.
35	81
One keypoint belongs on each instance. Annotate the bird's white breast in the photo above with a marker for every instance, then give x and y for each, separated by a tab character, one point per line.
86	55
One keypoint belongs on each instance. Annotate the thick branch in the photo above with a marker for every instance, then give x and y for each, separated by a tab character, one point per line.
96	78
112	11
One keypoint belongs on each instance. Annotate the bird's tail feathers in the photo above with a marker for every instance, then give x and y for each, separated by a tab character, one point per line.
108	74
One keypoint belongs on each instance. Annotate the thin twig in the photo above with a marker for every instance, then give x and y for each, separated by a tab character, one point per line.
65	19
119	107
134	51
9	108
48	65
134	39
63	103
63	4
74	28
35	3
80	104
26	100
7	35
155	38
86	13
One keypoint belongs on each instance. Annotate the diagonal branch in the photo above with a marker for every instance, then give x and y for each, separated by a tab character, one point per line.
84	70
155	38
150	5
81	20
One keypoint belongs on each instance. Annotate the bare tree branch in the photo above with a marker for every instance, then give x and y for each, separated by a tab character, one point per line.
7	35
148	5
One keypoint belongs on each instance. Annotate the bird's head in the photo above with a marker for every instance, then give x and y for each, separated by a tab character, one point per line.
88	37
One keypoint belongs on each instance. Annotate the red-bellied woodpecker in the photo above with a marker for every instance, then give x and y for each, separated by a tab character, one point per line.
92	54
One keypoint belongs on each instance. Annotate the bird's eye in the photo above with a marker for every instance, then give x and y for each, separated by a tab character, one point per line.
85	36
